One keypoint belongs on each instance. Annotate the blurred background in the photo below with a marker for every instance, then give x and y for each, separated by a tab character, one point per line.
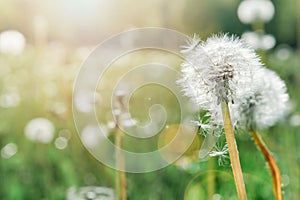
42	46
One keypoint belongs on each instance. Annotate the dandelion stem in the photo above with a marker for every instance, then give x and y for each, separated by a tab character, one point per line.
233	153
120	164
275	172
120	160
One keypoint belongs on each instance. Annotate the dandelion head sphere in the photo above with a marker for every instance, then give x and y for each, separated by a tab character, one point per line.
214	69
263	103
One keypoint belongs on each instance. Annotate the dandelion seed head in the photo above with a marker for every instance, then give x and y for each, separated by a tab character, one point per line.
213	69
264	102
259	41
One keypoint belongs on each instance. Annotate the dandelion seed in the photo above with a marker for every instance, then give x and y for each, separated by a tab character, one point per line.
192	43
221	153
205	128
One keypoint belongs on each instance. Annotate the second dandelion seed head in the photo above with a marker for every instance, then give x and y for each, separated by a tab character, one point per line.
262	103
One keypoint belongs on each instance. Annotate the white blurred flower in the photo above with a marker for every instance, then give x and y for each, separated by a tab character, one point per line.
262	103
91	135
12	42
251	10
9	150
214	69
90	192
39	130
85	100
259	41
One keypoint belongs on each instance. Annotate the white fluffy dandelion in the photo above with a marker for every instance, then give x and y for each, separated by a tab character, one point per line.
262	103
223	70
215	74
214	69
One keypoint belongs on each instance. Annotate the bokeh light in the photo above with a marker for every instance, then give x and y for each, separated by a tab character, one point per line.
9	150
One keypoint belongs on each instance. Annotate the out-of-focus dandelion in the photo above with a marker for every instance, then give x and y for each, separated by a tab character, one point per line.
90	192
92	135
40	130
12	42
259	41
250	11
85	100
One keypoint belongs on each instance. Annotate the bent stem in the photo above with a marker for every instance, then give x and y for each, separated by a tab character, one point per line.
233	153
275	172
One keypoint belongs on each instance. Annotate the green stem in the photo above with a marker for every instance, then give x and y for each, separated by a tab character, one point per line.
275	172
233	153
